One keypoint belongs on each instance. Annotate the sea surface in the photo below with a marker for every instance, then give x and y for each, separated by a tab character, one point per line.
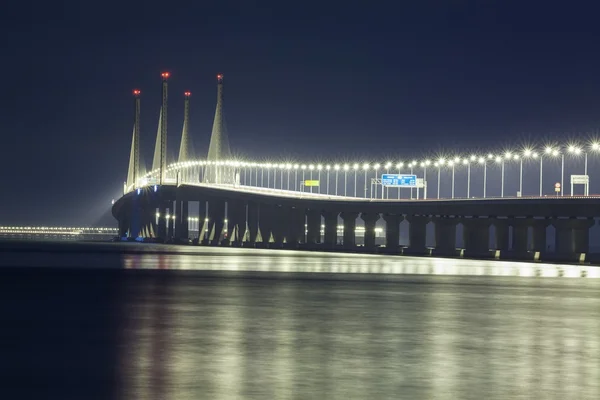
134	321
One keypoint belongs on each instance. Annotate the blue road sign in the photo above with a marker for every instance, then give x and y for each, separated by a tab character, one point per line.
399	180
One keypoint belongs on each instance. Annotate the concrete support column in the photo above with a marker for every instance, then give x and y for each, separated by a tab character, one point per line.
162	221
216	217
519	236
313	221
236	222
370	221
202	223
349	238
572	235
331	223
278	225
295	226
476	235
501	226
392	231
539	234
445	234
171	223
123	225
416	232
182	225
253	214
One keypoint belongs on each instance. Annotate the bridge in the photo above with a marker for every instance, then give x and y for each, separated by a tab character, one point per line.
316	205
58	232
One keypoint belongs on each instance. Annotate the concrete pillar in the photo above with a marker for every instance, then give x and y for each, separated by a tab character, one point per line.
445	235
202	223
539	234
123	225
253	214
519	237
216	217
501	226
349	238
278	225
370	221
331	223
162	221
171	222
182	225
392	231
295	226
476	235
236	222
313	220
572	235
417	230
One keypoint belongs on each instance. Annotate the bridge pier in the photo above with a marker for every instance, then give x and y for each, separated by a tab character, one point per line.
539	234
349	237
123	225
216	217
370	220
519	237
392	231
236	222
253	218
331	223
417	233
502	234
182	226
295	230
313	222
476	235
572	235
278	225
162	221
445	235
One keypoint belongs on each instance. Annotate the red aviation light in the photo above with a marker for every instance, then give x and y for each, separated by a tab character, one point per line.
187	94
136	92
165	75
220	78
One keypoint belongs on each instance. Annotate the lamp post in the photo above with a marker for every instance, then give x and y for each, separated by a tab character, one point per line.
366	169
328	168
311	167
319	168
399	166
375	167
288	167
550	151
468	163
296	166
346	168
440	163
355	167
337	169
387	189
451	163
425	164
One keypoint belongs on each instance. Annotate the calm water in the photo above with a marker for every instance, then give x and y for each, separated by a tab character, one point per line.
163	322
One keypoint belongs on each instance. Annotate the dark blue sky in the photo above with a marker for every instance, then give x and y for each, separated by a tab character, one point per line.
346	80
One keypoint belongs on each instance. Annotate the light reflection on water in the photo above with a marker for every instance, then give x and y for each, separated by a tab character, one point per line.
241	260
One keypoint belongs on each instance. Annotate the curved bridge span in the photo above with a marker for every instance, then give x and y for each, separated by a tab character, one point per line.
251	216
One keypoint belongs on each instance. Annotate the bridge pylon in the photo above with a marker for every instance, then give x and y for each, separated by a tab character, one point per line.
219	150
160	149
134	173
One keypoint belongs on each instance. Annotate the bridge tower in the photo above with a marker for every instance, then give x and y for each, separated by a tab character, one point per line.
186	149
160	149
133	173
218	150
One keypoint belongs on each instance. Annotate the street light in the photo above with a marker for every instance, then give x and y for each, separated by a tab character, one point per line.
319	168
288	167
355	167
346	168
375	167
328	168
399	166
440	163
424	165
337	168
296	166
387	189
366	169
451	163
311	167
482	160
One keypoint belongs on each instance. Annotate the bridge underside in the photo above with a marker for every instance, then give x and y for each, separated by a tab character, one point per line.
233	217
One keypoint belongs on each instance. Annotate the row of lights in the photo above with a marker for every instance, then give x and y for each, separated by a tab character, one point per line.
195	219
54	228
507	156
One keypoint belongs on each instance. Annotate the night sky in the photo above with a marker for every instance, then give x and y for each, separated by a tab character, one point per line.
330	80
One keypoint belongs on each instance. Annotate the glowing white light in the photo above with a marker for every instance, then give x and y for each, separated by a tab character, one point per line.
311	167
328	167
481	160
319	167
303	166
365	166
376	166
399	165
355	166
388	164
346	167
336	167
